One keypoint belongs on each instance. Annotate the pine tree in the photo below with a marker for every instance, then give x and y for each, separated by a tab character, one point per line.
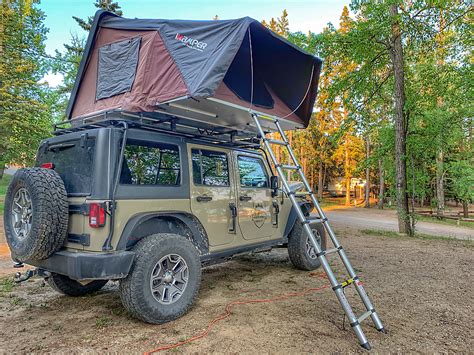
283	26
67	63
106	5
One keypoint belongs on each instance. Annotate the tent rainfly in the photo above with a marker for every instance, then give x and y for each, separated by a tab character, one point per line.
209	72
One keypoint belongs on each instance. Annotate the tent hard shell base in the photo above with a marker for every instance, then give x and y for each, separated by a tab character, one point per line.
208	74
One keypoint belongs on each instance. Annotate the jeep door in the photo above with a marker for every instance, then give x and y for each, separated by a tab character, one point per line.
255	202
212	192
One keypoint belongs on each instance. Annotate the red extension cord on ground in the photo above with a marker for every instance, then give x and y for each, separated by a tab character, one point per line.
230	305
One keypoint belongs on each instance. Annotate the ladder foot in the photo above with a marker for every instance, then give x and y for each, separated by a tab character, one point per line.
382	330
366	346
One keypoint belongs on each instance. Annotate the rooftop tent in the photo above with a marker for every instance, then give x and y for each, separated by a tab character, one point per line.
209	73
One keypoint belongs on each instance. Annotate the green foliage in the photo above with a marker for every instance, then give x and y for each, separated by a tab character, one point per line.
3	190
24	102
438	82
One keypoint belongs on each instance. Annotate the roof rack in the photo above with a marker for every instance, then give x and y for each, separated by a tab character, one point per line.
158	122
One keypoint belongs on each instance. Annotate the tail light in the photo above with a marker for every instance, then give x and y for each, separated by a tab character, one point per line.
96	215
47	166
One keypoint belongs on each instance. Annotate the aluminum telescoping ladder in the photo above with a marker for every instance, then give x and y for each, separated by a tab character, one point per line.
337	287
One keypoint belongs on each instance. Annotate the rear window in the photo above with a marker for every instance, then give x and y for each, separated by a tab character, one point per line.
73	161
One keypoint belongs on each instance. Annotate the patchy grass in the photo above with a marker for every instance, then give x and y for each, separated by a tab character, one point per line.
102	322
3	190
327	202
6	285
448	222
390	234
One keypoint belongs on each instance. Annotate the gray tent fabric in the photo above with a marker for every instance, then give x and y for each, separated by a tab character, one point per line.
203	50
117	67
258	66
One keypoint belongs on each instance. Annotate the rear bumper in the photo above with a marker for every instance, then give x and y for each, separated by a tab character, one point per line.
88	266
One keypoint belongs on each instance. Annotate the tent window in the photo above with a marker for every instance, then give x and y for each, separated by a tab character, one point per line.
117	67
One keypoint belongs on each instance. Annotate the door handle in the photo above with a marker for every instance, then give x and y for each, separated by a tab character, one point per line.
203	198
233	214
245	198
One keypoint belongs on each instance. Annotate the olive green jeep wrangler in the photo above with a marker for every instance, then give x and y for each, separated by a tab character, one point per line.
148	209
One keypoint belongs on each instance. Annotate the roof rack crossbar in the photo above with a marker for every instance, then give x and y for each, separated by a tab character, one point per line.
215	135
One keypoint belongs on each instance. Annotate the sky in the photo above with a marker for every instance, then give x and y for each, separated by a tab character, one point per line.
303	15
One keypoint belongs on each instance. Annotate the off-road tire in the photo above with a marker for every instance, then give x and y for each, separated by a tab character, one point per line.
70	287
297	252
49	214
135	290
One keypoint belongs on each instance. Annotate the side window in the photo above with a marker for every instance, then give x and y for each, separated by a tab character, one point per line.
210	168
150	163
252	172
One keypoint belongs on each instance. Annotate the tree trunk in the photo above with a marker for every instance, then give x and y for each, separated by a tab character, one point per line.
324	176
367	175
413	182
381	185
277	149
2	170
440	53
346	173
348	192
290	140
396	53
465	209
440	182
320	181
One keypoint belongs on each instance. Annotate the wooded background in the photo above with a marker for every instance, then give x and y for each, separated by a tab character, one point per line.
395	103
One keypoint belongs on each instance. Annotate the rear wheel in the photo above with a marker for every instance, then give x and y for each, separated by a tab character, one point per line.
70	287
165	278
300	249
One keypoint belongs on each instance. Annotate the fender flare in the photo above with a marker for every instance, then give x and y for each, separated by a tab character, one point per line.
306	206
144	224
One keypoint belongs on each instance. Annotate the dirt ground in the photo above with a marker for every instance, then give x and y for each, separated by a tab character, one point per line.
422	290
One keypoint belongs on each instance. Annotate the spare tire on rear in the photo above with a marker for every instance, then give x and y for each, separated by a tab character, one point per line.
35	214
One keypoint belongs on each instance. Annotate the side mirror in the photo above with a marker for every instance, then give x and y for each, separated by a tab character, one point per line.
274	185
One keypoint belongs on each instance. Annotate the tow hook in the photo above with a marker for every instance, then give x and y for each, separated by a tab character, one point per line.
31	273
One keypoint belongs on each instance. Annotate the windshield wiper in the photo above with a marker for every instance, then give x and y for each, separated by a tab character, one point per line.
61	146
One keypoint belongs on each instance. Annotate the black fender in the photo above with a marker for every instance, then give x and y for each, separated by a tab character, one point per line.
144	224
305	206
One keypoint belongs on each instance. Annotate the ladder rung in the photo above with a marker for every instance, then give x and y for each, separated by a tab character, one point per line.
301	193
276	141
266	118
331	251
365	315
289	167
313	220
346	283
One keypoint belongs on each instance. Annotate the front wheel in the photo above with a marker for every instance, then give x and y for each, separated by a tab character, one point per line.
165	278
300	249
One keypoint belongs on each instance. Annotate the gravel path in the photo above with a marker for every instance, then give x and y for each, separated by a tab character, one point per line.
361	218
